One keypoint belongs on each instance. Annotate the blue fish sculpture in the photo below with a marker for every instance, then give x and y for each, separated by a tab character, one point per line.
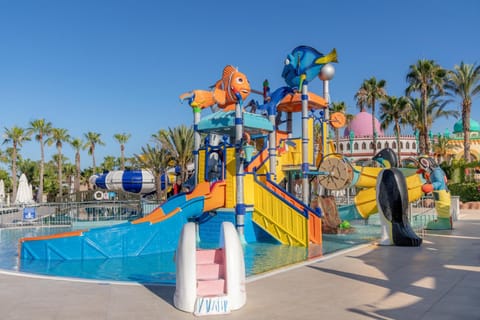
274	99
305	63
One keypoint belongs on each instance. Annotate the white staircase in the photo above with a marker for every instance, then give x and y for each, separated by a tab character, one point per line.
210	281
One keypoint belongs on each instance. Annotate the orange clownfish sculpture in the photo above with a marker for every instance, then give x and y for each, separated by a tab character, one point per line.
224	93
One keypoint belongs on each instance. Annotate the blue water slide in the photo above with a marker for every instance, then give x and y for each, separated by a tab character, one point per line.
126	239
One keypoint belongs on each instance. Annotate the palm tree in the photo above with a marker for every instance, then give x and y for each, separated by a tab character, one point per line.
428	78
42	129
435	110
179	143
464	82
78	145
58	136
69	170
29	168
122	138
109	163
370	91
394	110
441	148
93	139
155	160
17	136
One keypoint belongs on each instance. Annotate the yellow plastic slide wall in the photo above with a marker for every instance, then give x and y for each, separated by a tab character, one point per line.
279	219
366	199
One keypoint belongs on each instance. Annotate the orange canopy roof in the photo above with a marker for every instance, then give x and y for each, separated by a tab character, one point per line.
293	102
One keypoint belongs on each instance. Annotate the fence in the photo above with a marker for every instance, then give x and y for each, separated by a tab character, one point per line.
98	212
421	211
71	213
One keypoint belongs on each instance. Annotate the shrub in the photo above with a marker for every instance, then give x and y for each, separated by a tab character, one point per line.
466	191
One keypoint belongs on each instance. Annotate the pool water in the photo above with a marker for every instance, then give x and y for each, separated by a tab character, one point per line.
160	268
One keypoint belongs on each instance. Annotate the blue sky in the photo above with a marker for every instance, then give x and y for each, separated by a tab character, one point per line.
113	66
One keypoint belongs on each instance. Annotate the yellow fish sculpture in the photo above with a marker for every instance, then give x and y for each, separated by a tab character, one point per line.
224	93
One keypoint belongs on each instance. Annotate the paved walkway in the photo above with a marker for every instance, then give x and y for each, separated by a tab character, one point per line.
439	280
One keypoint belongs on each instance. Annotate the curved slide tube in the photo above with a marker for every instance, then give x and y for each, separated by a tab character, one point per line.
366	199
134	181
392	202
157	232
210	281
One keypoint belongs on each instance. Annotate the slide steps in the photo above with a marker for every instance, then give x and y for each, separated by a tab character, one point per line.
210	281
210	273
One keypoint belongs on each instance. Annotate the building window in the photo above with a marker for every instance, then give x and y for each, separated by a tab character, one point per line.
341	147
401	145
414	146
394	145
407	145
386	144
364	146
371	145
348	146
379	145
355	146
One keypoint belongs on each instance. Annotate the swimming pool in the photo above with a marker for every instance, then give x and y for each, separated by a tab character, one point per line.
160	268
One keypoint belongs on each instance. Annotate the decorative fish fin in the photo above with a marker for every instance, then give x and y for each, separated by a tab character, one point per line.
228	70
302	78
187	96
219	96
198	98
218	85
331	57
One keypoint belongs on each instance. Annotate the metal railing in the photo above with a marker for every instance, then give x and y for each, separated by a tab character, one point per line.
422	212
68	213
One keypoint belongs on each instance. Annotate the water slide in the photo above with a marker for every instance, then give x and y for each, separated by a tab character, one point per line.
392	204
284	217
366	199
157	232
133	181
278	212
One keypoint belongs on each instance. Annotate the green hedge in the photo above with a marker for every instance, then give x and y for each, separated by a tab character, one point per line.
466	191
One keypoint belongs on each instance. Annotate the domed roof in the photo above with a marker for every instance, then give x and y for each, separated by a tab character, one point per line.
458	127
361	125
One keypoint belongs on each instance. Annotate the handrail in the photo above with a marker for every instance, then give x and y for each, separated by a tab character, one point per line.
294	200
273	192
279	218
67	213
258	160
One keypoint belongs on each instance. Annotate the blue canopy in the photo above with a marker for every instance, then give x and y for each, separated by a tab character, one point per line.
224	123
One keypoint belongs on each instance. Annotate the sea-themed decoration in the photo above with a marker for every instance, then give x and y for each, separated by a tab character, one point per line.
304	64
387	158
392	204
226	92
437	184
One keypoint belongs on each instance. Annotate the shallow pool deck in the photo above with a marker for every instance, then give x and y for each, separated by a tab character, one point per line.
439	280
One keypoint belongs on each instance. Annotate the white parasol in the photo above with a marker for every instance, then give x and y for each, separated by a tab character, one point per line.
24	192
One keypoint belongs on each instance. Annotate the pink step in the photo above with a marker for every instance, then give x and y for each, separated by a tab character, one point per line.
209	256
210	271
207	288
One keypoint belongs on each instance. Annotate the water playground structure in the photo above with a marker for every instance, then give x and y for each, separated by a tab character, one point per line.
251	175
